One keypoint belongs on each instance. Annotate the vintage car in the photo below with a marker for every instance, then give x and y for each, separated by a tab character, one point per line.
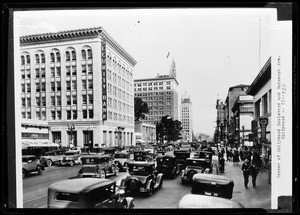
122	159
142	178
152	152
181	156
186	148
87	193
212	185
52	157
161	150
142	155
201	201
207	156
192	167
97	165
168	165
71	157
109	151
31	164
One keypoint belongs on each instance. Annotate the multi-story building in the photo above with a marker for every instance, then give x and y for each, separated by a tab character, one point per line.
220	122
161	95
233	93
243	115
81	83
186	118
144	132
260	89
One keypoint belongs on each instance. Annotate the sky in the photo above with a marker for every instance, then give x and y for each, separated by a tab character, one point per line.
213	49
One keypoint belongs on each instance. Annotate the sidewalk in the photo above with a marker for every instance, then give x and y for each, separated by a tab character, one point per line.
258	197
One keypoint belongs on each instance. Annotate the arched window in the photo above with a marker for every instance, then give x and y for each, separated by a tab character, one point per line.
22	60
43	58
52	56
73	55
83	54
27	59
37	59
90	54
68	56
57	56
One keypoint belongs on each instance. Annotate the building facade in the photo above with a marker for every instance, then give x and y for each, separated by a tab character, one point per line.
144	132
243	115
219	135
186	118
161	95
81	83
261	91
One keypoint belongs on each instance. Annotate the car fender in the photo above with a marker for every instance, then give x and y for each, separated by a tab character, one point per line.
148	184
129	200
122	183
158	179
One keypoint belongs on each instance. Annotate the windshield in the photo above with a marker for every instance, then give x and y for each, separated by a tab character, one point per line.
121	156
90	160
71	197
139	170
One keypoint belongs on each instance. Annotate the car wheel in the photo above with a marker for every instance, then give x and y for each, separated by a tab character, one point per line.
131	206
49	162
150	192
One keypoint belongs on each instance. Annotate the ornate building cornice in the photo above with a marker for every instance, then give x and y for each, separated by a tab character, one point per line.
76	34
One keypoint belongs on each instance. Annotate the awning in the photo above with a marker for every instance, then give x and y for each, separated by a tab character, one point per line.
38	143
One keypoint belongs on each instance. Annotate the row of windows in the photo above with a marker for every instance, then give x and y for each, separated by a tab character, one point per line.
152	93
70	55
150	88
152	83
159	108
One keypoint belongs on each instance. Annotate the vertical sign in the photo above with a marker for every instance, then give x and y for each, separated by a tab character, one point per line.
103	75
263	122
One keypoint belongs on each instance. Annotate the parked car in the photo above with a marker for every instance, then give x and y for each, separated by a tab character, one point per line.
168	165
122	159
87	193
207	156
97	165
71	157
212	185
181	156
52	157
142	155
142	178
193	166
202	201
31	164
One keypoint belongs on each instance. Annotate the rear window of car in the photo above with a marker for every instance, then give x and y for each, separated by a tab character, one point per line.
63	196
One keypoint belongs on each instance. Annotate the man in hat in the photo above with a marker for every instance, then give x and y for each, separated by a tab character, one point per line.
246	172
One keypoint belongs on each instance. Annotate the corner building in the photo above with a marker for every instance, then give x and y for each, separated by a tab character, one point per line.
81	83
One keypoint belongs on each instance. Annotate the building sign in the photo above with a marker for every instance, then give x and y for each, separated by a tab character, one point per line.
263	122
246	109
35	135
104	84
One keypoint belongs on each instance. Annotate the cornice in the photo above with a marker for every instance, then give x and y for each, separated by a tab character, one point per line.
76	34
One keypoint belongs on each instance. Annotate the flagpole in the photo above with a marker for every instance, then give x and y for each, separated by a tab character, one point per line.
259	44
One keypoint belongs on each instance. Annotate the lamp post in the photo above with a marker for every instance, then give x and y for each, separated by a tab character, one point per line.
71	128
243	127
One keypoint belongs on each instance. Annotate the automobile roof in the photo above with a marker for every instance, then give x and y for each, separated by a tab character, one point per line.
28	156
203	201
79	185
95	155
166	156
208	178
141	163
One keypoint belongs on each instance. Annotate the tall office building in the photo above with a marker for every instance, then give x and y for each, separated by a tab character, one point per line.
186	118
81	83
161	95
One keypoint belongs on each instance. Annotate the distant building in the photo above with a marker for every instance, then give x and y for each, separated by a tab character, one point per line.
144	132
261	90
220	122
233	93
161	95
81	83
243	115
186	118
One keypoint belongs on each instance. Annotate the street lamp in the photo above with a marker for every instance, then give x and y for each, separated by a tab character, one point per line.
71	128
243	127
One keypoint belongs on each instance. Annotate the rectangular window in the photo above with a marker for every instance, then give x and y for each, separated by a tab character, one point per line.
43	72
160	83
52	86
90	84
74	114
58	71
68	100
74	100
43	115
68	114
68	85
84	99
37	87
74	70
265	104
53	101
23	102
38	115
23	88
28	102
52	72
257	109
74	85
90	69
84	114
43	87
83	69
84	84
58	86
23	115
37	73
68	71
58	99
53	115
91	114
90	99
43	101
59	114
28	115
28	73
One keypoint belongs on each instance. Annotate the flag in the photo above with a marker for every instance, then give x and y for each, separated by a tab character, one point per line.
168	54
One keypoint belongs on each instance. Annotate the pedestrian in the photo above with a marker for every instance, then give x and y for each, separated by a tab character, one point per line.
254	172
246	172
236	159
222	164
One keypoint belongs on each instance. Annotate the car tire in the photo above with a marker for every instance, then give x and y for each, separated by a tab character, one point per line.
131	206
49	162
